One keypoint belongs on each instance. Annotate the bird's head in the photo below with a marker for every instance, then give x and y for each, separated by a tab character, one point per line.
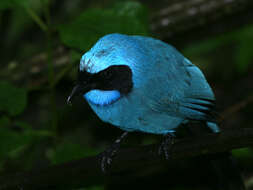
103	74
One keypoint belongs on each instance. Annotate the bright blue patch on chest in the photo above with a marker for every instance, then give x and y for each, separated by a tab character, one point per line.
101	97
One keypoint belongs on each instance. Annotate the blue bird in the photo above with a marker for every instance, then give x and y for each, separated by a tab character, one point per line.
142	84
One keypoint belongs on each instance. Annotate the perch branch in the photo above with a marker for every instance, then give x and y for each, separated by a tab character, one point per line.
82	172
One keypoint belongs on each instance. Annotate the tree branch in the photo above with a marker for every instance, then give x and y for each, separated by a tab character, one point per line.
184	21
83	172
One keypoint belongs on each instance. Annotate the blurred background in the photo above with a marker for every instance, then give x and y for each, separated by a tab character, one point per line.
41	45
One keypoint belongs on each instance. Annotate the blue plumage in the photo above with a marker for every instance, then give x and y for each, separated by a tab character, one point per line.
167	88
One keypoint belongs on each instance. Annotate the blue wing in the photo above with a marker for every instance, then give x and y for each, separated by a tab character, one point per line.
186	93
198	100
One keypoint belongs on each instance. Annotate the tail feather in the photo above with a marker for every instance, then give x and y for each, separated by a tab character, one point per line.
213	126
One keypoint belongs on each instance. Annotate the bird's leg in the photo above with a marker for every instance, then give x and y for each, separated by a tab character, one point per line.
107	155
166	145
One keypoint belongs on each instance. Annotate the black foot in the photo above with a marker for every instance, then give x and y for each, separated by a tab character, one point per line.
107	156
166	146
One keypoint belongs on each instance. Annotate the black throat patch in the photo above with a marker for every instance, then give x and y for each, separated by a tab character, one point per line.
116	77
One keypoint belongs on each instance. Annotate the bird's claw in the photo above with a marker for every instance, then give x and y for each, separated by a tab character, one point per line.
166	146
106	157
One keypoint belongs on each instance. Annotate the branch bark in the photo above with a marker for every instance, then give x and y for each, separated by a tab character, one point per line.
184	21
83	172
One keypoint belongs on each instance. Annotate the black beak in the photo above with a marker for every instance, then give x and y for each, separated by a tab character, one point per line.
78	90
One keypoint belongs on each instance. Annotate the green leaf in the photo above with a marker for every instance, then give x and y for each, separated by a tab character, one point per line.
133	9
4	121
75	56
85	30
13	100
244	54
29	132
6	4
9	4
67	151
243	155
13	142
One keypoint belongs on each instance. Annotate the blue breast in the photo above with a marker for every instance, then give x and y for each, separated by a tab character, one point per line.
102	98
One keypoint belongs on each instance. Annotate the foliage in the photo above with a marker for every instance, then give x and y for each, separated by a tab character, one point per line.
13	142
12	100
243	155
92	24
243	38
67	151
5	4
11	4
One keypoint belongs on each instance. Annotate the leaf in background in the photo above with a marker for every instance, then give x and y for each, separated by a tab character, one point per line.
243	155
67	151
92	24
4	121
240	40
6	4
12	99
75	56
132	9
13	142
244	55
203	47
209	44
29	132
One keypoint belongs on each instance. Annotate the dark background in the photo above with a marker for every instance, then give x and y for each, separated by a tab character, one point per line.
42	42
